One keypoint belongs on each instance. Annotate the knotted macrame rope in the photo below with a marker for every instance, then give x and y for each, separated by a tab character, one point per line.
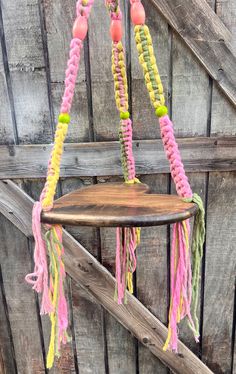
127	239
184	285
51	284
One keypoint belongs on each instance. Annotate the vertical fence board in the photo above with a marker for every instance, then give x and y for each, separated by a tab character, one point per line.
87	314
59	18
6	345
220	272
144	119
220	244
120	345
25	55
16	263
190	110
6	130
152	276
152	279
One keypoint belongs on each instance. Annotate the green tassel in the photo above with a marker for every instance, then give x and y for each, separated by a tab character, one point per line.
198	239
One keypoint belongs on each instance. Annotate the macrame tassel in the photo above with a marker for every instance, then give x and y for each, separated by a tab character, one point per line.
59	315
127	239
39	278
198	238
181	284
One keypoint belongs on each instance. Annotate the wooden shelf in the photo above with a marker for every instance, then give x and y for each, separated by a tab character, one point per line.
118	205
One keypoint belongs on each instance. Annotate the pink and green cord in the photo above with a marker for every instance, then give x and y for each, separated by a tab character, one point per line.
184	277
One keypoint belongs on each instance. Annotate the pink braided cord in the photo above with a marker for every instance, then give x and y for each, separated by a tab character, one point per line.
172	152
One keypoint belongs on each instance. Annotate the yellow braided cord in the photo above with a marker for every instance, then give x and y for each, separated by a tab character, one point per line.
120	77
54	166
148	62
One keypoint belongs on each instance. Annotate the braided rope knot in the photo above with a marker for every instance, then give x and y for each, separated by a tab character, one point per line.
127	159
120	78
172	151
71	74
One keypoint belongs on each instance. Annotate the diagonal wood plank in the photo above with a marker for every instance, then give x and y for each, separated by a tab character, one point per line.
206	36
92	276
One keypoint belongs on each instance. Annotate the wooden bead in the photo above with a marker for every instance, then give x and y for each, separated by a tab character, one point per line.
80	28
137	13
116	30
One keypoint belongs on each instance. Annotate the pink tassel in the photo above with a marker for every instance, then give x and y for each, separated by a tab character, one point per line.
125	259
39	278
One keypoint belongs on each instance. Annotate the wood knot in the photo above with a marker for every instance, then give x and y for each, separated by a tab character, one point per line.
82	268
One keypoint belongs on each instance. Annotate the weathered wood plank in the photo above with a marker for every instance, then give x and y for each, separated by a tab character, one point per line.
6	130
87	314
216	349
16	263
84	268
103	158
105	127
220	272
27	69
145	122
208	39
7	357
152	276
59	34
191	99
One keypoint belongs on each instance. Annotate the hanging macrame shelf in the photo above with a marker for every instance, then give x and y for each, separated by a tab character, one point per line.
118	205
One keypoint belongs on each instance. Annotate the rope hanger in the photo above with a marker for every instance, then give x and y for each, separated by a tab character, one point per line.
184	278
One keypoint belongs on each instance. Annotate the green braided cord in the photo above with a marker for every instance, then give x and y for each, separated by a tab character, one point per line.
198	238
146	56
123	155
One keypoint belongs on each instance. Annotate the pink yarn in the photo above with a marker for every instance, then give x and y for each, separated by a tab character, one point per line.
71	75
39	278
181	278
172	152
129	244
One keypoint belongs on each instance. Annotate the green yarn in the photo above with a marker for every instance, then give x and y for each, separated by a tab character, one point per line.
64	118
161	111
198	238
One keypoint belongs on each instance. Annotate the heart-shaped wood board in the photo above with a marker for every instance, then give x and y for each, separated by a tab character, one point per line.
118	205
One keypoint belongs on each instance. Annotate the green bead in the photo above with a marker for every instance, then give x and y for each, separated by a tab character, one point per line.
161	111
124	115
64	118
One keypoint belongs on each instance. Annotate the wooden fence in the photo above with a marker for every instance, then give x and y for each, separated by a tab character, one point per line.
195	47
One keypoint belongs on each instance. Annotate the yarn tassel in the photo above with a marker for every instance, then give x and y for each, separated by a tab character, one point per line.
59	315
181	277
127	239
39	278
198	238
184	280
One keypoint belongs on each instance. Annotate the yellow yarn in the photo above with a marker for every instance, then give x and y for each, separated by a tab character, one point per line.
54	168
156	94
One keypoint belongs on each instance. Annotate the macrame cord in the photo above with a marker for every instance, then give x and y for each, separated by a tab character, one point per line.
52	285
127	239
184	285
184	280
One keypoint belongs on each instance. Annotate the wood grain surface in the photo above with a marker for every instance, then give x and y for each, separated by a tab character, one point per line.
118	205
